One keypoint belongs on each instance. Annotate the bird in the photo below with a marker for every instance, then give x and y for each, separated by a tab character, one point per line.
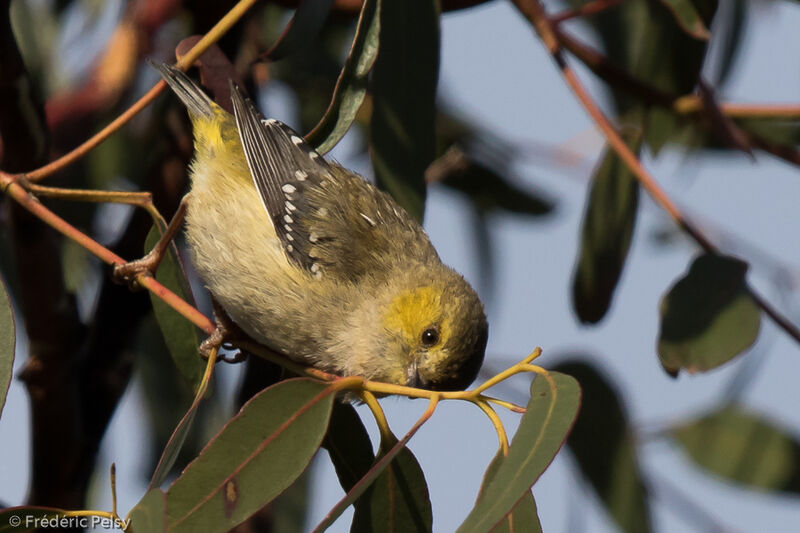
316	263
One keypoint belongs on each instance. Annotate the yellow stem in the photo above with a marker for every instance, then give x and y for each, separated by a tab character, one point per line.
387	437
502	437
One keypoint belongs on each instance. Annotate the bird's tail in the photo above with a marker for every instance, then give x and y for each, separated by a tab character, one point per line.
196	101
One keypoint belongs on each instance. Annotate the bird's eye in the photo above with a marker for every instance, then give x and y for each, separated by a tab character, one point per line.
430	336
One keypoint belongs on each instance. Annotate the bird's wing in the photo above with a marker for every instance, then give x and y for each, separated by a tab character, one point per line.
329	221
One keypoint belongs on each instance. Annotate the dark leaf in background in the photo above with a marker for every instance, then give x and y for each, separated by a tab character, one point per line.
738	445
181	336
523	517
729	33
402	134
302	29
397	500
7	343
150	514
351	87
606	233
554	403
644	38
256	456
605	450
688	18
707	317
485	188
8	517
348	445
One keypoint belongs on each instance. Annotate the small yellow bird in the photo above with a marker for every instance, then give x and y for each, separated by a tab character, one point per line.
314	262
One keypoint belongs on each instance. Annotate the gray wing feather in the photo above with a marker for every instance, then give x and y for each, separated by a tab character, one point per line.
283	166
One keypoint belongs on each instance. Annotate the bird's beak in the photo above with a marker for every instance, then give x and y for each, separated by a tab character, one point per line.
413	375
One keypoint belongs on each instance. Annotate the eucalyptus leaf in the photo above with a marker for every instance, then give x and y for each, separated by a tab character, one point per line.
255	457
404	79
181	336
524	517
7	344
25	518
708	316
739	445
397	500
606	233
149	515
303	28
688	18
555	399
351	86
604	448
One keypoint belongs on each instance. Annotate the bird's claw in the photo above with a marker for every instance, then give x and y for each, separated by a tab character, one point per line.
127	273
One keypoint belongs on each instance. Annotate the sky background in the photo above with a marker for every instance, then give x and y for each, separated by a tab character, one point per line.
495	71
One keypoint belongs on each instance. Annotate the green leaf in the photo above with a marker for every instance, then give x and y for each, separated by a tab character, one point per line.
708	316
554	403
688	18
181	336
741	446
25	518
175	443
7	344
524	517
149	515
604	448
351	87
402	136
303	28
606	233
348	445
488	190
397	500
255	457
643	38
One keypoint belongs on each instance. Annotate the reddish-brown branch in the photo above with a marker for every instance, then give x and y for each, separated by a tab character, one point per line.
29	202
534	12
585	10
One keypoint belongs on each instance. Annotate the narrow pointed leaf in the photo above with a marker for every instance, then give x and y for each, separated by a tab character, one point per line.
397	500
348	445
554	404
524	517
688	18
606	234
302	29
604	448
707	317
149	515
181	336
402	136
18	519
738	445
255	457
351	87
178	437
7	344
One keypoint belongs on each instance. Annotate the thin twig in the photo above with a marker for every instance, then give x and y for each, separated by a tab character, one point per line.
213	35
586	10
534	12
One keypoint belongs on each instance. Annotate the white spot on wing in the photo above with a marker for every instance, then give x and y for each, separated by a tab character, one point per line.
288	188
300	175
297	140
270	122
288	219
290	206
369	220
313	237
287	227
